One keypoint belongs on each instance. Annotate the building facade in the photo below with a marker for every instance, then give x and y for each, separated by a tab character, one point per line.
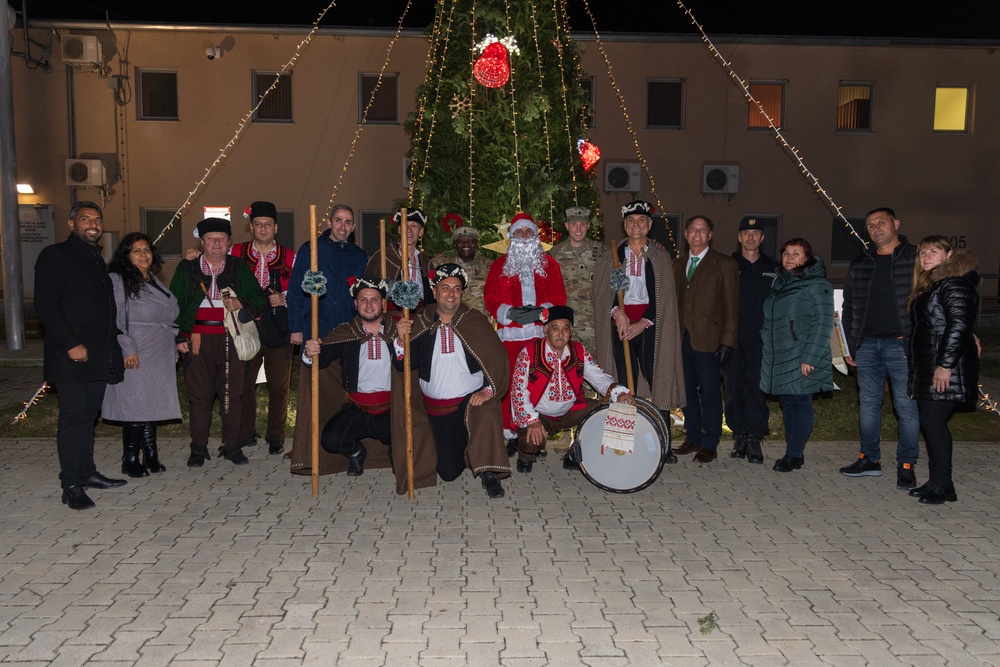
907	124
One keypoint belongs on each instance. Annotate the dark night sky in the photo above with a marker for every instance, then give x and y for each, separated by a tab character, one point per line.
961	19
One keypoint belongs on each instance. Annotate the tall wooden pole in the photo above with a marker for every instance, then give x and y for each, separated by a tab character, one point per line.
381	243
314	302
404	227
621	306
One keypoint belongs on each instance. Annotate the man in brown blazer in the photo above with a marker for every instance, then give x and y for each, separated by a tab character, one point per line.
708	291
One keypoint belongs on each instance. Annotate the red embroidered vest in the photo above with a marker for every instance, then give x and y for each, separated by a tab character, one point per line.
540	372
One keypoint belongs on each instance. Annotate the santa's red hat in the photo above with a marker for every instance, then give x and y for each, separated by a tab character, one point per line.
522	220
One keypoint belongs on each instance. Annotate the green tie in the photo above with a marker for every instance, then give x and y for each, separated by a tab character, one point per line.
694	263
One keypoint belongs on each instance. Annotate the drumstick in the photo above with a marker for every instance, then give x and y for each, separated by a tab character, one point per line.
621	306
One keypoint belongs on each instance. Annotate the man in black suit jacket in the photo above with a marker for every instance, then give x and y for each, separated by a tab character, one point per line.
76	304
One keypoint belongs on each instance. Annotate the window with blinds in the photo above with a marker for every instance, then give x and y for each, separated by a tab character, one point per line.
665	104
854	107
277	105
771	95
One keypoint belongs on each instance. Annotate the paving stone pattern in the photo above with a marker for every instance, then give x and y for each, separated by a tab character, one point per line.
240	566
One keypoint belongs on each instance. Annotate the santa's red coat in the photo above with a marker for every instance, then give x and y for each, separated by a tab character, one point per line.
501	289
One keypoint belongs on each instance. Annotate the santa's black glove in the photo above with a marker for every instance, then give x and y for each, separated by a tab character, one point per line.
525	314
722	355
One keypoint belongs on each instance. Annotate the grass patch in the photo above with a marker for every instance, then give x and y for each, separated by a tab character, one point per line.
836	413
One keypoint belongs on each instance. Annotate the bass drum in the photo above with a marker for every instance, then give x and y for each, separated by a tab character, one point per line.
623	473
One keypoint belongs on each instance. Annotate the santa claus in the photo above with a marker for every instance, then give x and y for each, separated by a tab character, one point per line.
519	287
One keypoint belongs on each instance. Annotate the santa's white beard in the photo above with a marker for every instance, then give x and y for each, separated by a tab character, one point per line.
524	257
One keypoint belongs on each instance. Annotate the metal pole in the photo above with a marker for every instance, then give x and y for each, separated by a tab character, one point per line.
10	229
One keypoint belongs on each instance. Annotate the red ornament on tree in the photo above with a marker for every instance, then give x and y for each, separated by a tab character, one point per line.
546	234
451	222
589	154
492	69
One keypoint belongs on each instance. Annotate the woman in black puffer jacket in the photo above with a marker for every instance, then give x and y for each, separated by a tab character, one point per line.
944	361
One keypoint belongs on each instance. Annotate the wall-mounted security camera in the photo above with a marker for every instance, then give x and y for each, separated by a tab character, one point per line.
213	52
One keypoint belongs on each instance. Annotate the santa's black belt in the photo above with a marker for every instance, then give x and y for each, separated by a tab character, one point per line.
210	323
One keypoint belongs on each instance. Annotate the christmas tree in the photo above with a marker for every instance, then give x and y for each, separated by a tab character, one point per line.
498	119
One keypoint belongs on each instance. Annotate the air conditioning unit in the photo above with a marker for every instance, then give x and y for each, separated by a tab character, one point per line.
83	173
622	177
720	179
81	50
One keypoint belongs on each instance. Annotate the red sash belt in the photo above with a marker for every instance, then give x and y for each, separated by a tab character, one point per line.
209	321
636	311
438	407
374	402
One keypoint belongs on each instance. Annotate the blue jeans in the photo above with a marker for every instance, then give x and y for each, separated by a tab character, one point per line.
798	414
878	359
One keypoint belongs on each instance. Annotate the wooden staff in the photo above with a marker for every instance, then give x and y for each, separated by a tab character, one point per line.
314	303
407	390
621	306
381	243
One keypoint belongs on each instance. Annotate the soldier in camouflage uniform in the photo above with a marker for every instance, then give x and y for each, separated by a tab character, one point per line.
576	257
465	241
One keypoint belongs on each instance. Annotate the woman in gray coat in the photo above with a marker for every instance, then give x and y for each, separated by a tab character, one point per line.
146	314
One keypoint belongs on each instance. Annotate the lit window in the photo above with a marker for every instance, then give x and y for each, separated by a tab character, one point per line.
665	104
771	96
384	106
157	93
854	106
277	106
952	110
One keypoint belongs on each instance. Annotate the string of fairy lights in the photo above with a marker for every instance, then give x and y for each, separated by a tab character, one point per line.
560	33
513	115
778	135
244	122
472	107
435	41
364	115
37	396
628	120
986	403
545	111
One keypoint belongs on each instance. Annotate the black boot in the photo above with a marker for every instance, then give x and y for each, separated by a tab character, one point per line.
754	455
131	441
739	445
356	461
149	455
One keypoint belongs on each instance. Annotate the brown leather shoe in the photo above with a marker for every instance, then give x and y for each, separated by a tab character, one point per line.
687	448
705	455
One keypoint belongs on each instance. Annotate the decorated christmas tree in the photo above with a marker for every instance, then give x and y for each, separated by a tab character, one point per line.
499	121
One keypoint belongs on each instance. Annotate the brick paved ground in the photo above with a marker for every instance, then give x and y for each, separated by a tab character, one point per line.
239	565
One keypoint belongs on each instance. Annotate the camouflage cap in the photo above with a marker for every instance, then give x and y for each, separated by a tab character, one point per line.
578	214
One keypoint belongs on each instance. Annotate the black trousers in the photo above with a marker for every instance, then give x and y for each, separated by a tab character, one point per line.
79	405
342	433
746	405
703	384
934	416
642	349
451	437
277	362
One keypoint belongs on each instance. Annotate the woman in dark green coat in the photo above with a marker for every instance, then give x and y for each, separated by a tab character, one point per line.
798	319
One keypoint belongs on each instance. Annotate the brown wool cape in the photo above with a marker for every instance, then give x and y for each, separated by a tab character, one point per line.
331	400
667	391
486	451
